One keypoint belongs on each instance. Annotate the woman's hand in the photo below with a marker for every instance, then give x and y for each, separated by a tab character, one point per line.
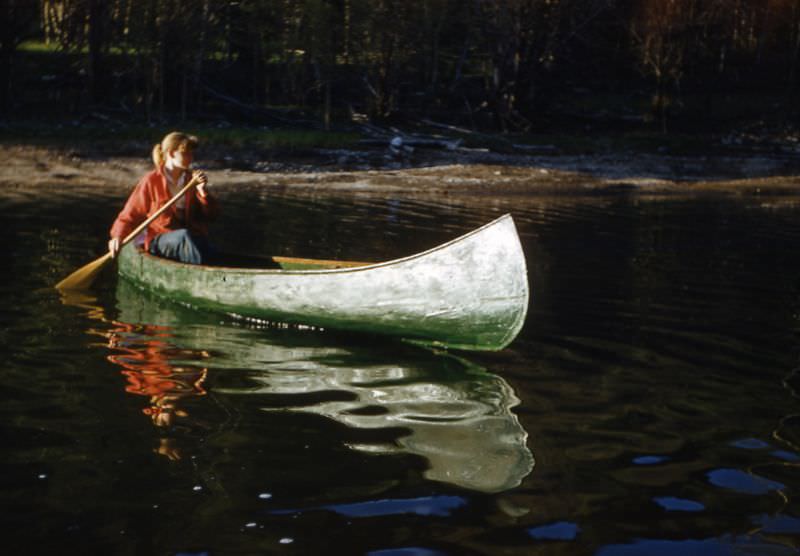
114	246
202	182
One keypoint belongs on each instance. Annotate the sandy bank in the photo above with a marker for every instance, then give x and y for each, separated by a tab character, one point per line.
438	173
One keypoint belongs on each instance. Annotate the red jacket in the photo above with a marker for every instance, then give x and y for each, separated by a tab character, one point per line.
150	194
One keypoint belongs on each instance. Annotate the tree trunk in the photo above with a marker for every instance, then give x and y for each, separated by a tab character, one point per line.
6	56
184	95
795	57
97	43
160	79
346	39
6	61
16	18
327	105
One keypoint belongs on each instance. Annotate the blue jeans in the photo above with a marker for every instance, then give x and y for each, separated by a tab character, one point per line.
180	245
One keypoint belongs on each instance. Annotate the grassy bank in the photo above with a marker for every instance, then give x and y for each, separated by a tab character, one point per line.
114	138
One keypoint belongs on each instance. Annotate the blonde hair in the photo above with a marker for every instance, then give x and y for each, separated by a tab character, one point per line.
172	142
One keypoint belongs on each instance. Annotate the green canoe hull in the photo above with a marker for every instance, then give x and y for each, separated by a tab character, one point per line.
470	293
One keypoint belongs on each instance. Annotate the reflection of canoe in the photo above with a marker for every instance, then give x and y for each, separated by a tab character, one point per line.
470	293
463	425
451	412
454	414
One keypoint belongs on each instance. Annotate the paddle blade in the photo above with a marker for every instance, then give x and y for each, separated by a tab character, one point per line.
84	276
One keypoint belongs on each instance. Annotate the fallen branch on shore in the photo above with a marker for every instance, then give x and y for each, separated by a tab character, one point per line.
382	137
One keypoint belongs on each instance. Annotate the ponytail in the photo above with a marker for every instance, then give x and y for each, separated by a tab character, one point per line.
158	155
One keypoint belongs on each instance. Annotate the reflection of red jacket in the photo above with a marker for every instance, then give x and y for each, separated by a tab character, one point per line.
149	371
150	194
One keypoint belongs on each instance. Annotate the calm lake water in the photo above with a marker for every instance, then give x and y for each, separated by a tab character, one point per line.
649	406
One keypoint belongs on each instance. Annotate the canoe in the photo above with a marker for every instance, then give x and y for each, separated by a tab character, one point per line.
469	293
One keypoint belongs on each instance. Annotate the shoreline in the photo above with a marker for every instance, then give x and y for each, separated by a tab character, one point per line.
472	172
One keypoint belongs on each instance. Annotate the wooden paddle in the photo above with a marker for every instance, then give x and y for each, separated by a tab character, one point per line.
84	276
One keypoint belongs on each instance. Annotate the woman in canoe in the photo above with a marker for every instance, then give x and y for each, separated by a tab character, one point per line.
181	232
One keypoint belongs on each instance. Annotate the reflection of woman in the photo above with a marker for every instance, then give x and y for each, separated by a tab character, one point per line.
149	373
181	232
145	361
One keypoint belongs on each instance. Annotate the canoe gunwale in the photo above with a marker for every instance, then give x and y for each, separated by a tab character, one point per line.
367	266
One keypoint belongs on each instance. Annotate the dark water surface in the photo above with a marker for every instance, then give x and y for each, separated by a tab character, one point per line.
649	406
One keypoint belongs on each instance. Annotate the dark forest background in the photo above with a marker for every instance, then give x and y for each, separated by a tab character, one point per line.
500	65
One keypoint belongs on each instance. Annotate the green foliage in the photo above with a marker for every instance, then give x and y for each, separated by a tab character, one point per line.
481	64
